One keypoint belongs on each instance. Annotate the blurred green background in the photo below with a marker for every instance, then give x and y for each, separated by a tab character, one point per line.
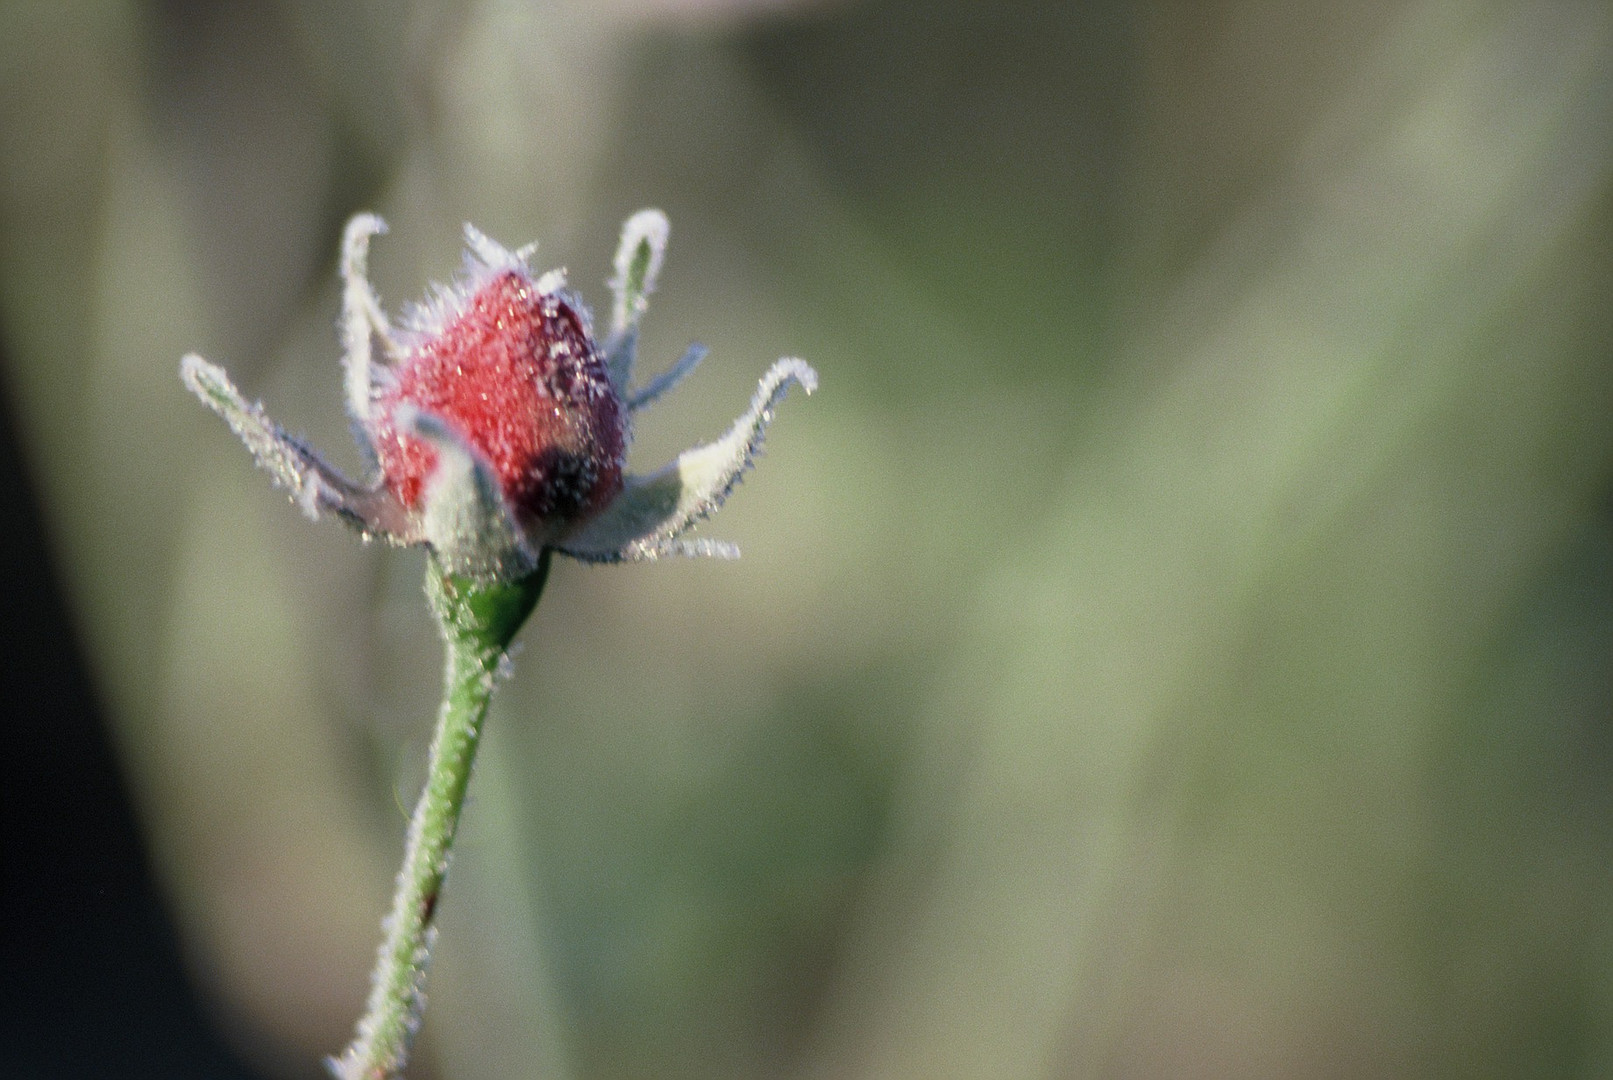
1177	640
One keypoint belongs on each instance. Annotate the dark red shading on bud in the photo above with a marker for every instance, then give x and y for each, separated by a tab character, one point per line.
518	377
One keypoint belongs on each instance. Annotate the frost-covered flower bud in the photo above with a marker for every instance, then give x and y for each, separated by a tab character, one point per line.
517	377
498	425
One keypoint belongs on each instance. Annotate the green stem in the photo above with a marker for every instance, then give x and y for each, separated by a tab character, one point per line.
477	623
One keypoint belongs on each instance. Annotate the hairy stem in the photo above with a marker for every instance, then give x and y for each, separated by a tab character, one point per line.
477	624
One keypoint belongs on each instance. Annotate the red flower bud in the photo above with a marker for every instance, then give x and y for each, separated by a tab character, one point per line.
499	427
517	376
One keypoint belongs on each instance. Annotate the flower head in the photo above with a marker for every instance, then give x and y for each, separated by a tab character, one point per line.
497	426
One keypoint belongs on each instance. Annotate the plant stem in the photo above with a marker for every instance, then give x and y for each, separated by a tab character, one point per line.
477	624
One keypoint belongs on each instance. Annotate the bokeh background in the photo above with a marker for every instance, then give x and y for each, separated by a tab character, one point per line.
1177	640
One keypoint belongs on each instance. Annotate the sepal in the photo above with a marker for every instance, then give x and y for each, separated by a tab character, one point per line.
315	486
652	512
668	379
639	256
464	516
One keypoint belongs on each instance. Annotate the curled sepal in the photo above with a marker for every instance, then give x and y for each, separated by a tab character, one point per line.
363	319
639	256
464	515
652	512
315	487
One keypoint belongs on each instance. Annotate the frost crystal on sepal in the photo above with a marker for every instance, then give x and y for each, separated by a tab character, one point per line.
493	424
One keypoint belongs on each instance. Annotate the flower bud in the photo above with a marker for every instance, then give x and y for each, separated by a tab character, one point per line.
515	374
